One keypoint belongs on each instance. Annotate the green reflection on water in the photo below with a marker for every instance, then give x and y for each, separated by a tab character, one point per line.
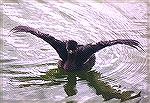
93	79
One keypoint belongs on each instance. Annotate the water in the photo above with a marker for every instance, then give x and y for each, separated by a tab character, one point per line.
28	64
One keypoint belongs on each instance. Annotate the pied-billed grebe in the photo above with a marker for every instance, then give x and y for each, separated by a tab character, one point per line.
74	56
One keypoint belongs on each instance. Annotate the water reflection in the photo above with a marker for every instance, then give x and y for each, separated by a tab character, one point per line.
93	79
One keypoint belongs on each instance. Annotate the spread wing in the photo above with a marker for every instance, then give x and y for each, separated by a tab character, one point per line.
89	49
58	45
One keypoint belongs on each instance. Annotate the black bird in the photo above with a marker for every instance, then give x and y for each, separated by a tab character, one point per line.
74	56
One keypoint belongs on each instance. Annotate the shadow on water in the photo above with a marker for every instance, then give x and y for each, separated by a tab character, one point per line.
93	79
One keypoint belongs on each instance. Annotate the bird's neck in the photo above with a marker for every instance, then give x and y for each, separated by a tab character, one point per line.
71	57
70	62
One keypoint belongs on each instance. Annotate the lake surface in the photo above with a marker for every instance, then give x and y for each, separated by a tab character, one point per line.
28	64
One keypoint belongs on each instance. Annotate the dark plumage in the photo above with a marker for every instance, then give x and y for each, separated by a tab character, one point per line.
74	56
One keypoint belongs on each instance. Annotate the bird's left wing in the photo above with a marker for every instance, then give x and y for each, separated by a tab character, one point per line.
58	45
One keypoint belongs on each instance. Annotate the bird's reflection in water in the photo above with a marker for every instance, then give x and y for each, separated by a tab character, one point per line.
93	80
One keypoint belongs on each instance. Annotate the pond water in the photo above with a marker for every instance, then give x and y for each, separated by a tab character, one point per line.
28	64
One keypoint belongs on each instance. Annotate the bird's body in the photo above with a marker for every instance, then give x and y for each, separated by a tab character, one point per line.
74	56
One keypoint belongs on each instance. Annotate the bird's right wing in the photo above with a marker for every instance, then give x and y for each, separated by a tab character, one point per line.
58	45
89	49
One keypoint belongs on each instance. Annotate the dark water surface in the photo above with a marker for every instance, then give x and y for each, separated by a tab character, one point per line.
28	64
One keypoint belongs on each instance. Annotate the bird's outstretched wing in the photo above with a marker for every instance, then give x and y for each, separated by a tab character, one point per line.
58	45
89	49
130	42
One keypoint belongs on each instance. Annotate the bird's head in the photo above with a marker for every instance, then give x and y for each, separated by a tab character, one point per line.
71	46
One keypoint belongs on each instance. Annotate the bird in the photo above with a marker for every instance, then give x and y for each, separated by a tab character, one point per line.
74	56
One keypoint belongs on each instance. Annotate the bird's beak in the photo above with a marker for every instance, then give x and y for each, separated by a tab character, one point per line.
70	51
